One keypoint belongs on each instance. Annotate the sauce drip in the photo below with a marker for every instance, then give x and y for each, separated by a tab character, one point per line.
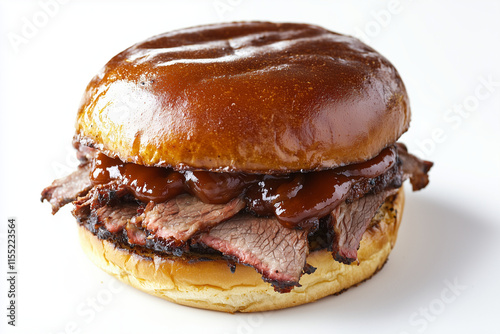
145	183
217	188
297	199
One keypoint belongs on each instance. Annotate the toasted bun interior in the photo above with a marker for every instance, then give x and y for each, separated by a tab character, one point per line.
211	285
245	96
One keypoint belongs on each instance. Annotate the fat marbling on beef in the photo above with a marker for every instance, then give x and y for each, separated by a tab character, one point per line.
278	253
186	224
178	219
65	190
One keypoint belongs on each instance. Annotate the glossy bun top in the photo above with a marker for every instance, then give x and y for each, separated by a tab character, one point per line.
245	96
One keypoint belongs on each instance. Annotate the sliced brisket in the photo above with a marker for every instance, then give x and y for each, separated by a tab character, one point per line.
278	253
177	220
164	227
99	196
68	188
135	233
186	224
351	218
116	217
349	222
414	168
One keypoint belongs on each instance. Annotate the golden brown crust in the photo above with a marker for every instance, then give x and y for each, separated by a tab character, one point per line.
249	96
211	285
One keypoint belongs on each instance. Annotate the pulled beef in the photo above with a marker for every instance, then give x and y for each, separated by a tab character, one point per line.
65	190
177	220
278	253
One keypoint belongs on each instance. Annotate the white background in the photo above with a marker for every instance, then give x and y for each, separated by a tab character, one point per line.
446	52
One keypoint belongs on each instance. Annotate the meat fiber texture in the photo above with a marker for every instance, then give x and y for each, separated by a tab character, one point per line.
186	224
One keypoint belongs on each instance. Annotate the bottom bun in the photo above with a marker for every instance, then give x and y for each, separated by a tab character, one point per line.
211	285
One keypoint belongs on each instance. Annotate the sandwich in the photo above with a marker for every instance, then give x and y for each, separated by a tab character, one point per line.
241	167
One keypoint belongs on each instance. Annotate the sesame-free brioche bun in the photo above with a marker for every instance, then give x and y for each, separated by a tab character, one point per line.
211	285
247	96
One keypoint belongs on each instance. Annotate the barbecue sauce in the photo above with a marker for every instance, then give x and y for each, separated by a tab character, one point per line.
296	199
145	183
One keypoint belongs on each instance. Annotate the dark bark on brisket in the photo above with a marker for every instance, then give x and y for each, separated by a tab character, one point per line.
68	188
351	218
391	179
99	196
135	233
164	227
278	253
116	223
414	168
185	224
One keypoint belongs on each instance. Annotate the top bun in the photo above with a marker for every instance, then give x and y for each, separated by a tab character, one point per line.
246	96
